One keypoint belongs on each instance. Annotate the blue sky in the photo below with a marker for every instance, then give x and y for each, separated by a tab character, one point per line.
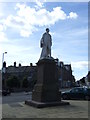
22	25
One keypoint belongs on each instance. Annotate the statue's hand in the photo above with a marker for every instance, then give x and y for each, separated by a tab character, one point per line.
41	45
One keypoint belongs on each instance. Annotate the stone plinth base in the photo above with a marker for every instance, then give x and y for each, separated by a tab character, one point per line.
46	104
46	88
46	91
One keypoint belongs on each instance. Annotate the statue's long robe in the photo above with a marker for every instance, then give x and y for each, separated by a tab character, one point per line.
46	43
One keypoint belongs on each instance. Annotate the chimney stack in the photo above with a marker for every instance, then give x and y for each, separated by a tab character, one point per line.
31	64
14	64
19	64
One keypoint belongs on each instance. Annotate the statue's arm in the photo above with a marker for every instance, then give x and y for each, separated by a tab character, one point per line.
51	40
42	41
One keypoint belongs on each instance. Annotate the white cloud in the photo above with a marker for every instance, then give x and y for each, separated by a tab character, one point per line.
39	3
13	22
72	15
1	14
3	37
1	27
27	18
25	33
80	64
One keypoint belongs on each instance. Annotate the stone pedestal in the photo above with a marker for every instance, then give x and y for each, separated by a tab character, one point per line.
46	91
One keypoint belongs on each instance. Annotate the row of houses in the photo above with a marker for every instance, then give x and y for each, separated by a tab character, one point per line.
19	73
84	81
65	77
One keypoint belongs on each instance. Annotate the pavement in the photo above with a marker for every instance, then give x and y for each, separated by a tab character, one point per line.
76	109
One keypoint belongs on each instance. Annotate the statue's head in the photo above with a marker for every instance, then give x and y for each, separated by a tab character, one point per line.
47	29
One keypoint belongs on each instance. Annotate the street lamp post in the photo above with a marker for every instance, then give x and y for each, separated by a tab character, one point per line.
3	60
3	71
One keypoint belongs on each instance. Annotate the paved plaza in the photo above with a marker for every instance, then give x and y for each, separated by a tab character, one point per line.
76	109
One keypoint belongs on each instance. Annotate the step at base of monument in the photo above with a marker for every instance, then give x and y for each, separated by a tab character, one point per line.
46	104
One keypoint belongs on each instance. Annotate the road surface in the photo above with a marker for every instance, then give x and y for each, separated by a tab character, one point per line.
16	97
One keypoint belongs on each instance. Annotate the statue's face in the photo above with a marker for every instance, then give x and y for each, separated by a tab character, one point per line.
47	30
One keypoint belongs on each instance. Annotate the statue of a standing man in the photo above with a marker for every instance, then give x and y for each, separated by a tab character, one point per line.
46	43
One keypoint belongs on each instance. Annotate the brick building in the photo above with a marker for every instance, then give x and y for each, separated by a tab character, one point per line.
84	81
65	77
19	72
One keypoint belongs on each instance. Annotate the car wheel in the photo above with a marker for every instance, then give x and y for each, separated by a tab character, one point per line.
64	97
87	97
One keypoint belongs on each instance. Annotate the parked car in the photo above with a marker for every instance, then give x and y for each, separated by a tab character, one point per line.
77	93
5	92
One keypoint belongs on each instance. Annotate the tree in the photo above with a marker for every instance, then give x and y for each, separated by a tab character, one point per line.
34	80
13	81
25	83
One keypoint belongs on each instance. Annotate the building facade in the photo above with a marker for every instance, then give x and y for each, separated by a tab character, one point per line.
20	73
64	72
66	79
